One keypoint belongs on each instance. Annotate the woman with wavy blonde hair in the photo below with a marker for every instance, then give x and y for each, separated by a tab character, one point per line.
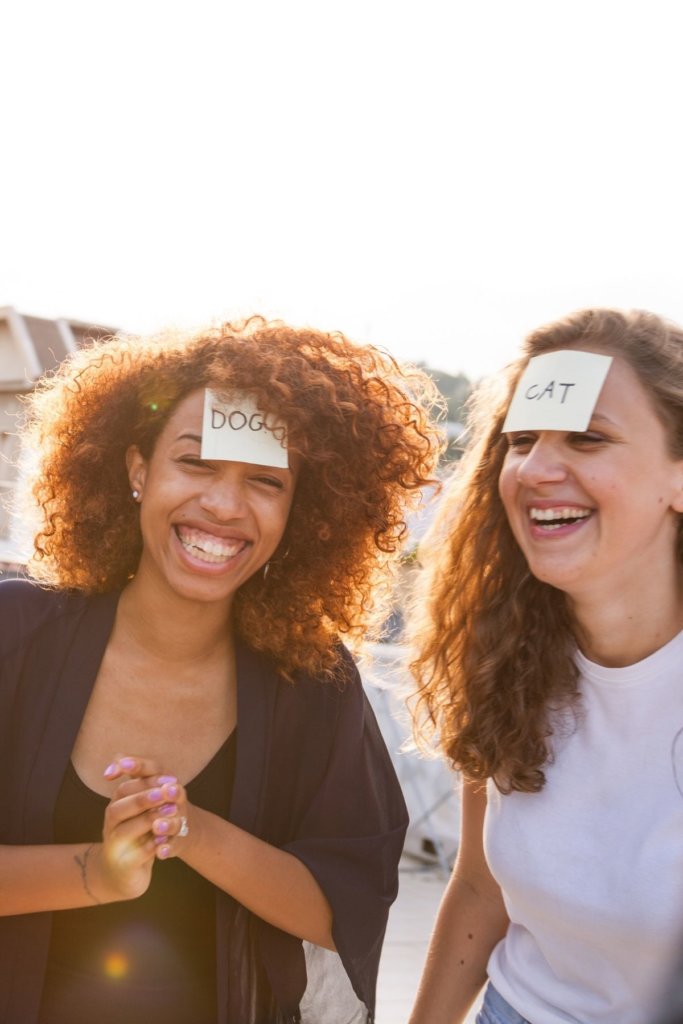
196	806
549	645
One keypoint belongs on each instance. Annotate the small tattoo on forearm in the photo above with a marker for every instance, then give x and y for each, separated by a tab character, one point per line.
83	865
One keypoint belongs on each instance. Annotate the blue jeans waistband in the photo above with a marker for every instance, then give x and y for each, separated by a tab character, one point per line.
496	1010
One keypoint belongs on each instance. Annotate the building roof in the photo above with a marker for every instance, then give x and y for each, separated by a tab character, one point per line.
31	346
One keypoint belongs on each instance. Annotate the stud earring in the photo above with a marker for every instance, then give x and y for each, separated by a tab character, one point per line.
135	495
266	570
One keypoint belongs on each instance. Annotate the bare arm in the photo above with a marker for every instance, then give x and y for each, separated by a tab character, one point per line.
273	884
35	878
141	825
62	877
471	920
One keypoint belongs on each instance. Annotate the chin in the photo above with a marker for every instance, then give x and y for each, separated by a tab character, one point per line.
561	580
202	591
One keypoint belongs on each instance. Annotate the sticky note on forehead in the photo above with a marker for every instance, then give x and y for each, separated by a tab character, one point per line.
557	391
235	430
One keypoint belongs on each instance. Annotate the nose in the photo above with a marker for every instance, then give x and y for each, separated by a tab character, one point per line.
223	496
544	463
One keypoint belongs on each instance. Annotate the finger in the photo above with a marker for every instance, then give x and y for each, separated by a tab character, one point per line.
133	767
163	821
163	848
137	804
167	784
169	835
168	822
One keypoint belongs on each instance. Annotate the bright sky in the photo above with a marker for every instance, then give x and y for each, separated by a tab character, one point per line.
434	177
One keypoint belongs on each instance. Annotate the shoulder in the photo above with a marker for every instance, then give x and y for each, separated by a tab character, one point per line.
315	705
26	607
340	688
338	684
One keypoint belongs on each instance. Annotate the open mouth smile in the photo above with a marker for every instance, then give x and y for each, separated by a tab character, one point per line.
207	547
551	519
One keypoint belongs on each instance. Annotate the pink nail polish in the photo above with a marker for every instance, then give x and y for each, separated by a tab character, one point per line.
127	763
110	770
163	852
161	827
158	840
168	809
166	778
172	792
155	795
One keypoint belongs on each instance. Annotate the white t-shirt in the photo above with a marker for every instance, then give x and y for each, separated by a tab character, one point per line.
591	868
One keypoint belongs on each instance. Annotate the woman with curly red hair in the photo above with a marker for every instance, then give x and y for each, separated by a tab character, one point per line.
549	647
197	808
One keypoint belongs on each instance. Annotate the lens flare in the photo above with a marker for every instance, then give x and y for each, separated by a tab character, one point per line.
116	966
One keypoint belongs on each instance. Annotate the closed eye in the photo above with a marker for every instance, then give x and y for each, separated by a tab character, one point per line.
521	442
194	461
586	438
270	481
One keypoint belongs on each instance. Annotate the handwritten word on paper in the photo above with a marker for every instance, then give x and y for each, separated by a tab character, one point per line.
235	430
557	391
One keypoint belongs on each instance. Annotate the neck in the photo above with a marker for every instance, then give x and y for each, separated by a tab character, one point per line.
622	629
171	628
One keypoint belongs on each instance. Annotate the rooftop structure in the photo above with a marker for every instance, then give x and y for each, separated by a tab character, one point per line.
30	346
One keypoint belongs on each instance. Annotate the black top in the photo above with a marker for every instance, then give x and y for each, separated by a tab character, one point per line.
312	777
144	960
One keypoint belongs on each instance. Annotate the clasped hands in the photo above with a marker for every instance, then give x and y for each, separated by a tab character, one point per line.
146	820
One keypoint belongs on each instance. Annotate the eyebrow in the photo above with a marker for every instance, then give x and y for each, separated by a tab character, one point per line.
189	437
197	437
601	416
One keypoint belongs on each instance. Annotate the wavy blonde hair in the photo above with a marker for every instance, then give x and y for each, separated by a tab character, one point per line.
493	645
359	421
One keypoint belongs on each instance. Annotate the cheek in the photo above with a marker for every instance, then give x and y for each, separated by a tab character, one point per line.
274	520
508	491
507	486
282	521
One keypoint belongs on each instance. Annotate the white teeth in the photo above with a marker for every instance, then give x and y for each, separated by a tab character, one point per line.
207	548
549	515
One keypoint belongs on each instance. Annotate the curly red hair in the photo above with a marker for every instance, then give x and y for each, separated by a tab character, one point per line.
359	422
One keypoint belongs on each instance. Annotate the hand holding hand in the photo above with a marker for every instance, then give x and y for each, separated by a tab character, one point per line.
145	819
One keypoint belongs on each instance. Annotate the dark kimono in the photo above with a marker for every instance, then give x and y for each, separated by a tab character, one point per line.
313	777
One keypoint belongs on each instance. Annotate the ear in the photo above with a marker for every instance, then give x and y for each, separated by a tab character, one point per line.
137	469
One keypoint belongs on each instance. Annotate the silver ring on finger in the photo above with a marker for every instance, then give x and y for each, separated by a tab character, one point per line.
184	827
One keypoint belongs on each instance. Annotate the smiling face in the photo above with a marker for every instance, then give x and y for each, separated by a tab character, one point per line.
207	526
596	511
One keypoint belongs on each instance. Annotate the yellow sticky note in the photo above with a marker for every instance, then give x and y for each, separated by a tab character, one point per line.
557	391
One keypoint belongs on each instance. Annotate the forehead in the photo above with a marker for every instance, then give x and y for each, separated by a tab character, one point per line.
187	421
625	402
623	394
187	414
557	391
189	411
